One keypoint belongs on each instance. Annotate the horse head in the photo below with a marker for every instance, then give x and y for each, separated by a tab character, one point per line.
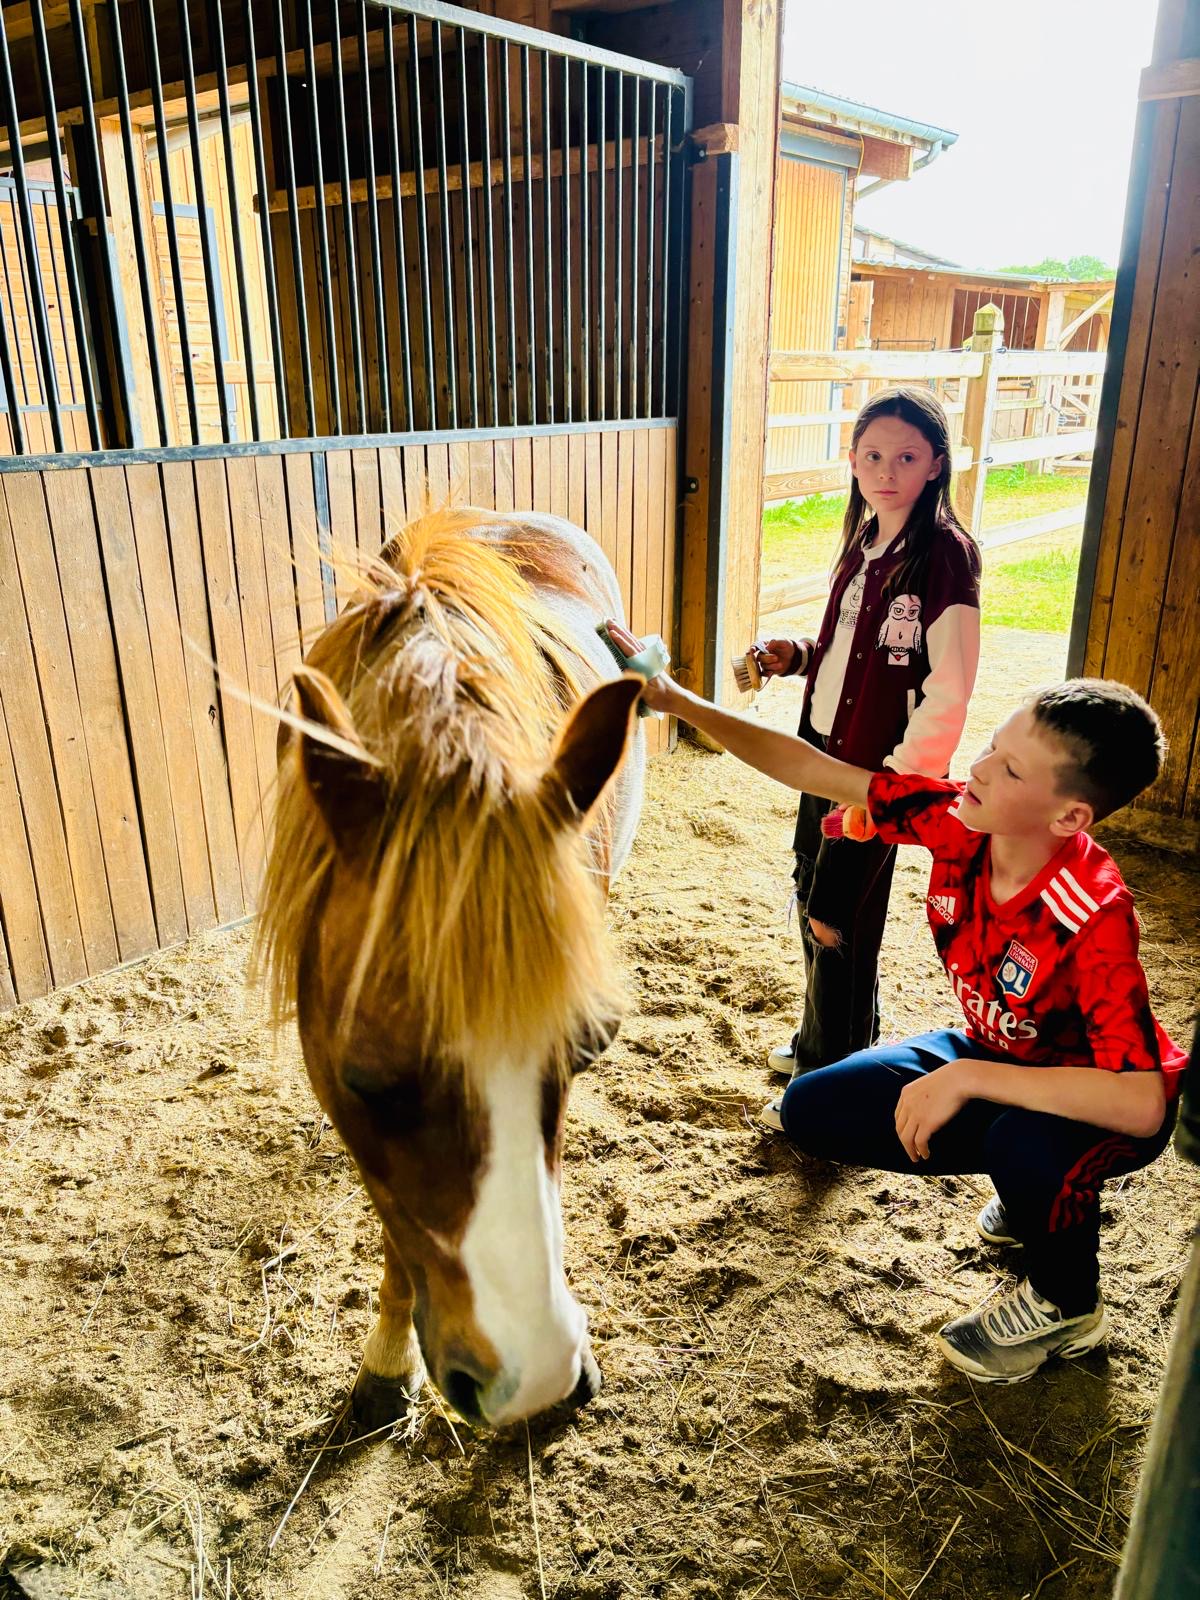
434	910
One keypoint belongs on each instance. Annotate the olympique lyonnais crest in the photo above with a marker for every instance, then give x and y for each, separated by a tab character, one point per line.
1016	970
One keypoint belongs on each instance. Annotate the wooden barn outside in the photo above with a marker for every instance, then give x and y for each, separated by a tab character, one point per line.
223	385
1113	368
919	307
827	145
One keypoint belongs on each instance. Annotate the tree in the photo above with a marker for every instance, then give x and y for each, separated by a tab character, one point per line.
1089	267
1078	267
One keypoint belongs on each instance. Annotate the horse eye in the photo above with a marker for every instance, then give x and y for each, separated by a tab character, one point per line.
397	1103
591	1044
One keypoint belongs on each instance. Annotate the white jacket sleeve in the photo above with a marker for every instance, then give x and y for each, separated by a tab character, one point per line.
936	725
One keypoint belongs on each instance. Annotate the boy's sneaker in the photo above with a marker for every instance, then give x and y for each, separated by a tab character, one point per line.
1007	1339
769	1116
993	1224
782	1060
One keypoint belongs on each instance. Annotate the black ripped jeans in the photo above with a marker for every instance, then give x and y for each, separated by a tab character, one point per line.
846	886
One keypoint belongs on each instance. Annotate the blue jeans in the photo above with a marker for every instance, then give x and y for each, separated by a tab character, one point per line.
1047	1170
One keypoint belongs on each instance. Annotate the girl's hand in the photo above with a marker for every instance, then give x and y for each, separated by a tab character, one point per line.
661	693
927	1104
779	658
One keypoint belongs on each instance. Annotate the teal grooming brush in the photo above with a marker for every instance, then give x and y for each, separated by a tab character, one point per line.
651	659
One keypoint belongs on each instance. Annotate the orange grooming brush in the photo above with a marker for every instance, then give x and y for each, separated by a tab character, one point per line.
848	822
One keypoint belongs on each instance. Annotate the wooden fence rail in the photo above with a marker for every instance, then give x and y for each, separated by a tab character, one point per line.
1061	384
979	372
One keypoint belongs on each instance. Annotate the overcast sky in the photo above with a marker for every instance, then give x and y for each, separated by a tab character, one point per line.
1041	93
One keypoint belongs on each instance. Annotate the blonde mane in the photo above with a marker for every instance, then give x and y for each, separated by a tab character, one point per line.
485	933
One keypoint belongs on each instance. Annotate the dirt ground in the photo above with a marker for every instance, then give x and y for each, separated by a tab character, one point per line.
189	1270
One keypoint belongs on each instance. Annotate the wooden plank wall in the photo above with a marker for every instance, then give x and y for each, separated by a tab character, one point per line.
133	783
1020	316
910	314
930	311
1139	622
806	295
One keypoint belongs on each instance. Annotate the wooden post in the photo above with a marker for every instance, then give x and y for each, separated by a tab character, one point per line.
987	337
727	343
1050	389
1160	1558
706	446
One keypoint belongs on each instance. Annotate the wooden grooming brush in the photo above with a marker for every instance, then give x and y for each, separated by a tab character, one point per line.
747	673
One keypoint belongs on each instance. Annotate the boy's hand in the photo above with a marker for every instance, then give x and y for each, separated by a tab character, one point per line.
779	658
927	1104
661	693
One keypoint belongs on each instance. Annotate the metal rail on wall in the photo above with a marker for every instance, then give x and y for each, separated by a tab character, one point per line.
368	219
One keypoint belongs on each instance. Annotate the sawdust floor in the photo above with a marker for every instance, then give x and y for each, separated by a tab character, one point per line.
189	1269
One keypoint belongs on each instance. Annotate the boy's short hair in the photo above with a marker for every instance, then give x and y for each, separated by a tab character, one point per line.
1113	740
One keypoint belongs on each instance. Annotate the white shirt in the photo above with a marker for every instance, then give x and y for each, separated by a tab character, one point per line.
831	674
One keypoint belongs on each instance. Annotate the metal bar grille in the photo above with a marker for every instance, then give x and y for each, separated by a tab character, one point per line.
66	208
468	231
131	179
489	238
322	217
368	131
401	266
287	150
274	219
527	152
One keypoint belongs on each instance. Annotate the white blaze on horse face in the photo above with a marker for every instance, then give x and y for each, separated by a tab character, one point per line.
512	1251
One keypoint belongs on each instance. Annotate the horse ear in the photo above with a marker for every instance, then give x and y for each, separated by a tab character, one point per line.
592	742
344	781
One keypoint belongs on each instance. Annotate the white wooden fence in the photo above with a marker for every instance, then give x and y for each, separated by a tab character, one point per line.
978	387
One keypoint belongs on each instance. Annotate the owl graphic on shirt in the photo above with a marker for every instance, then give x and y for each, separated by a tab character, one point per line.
900	635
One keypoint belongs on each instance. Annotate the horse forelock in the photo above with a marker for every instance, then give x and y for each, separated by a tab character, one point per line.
485	928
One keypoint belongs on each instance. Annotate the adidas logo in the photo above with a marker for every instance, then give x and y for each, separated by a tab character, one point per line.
946	906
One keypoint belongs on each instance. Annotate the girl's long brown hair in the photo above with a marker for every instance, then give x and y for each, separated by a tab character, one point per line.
933	513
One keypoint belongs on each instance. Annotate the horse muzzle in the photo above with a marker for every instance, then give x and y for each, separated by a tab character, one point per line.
495	1400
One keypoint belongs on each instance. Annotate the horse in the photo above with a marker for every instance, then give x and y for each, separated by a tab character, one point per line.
432	915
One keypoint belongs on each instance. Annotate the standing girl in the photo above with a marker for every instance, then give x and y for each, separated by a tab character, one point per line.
889	677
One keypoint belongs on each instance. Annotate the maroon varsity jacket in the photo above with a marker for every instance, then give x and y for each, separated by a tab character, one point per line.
912	663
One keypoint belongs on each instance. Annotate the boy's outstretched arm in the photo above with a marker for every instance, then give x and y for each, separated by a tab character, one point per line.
781	756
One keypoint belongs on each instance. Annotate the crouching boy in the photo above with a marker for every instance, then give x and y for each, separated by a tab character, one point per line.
1061	1077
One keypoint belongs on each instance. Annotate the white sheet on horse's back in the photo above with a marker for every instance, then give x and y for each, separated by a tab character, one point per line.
581	614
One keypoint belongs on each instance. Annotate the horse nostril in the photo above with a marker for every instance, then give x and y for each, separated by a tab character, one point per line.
462	1391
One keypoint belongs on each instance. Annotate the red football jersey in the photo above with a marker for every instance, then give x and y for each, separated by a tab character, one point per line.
1050	977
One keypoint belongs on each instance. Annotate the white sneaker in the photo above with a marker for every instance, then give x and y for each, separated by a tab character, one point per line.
992	1223
769	1116
782	1060
1007	1339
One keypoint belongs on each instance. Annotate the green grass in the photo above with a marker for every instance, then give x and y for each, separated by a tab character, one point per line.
1029	585
1016	492
801	536
1032	586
